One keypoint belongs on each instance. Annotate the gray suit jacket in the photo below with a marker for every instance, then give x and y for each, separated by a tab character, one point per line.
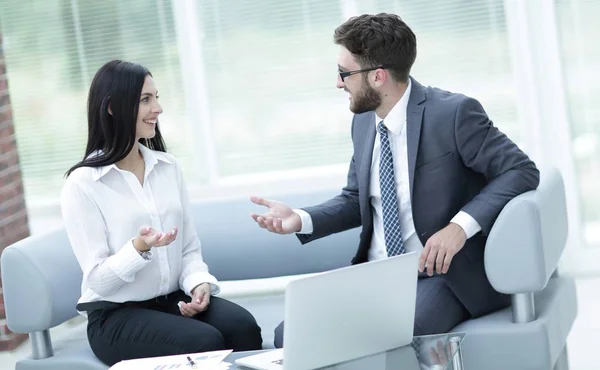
457	161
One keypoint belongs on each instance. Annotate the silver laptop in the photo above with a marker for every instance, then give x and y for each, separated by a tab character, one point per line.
344	314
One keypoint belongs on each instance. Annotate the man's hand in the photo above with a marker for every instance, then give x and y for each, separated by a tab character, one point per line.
441	248
440	355
199	303
279	219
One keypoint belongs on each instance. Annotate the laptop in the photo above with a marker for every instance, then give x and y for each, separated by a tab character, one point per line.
345	314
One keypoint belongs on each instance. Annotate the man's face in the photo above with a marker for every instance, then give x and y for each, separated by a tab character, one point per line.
363	97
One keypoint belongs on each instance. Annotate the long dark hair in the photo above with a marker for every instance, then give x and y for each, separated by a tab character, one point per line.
117	85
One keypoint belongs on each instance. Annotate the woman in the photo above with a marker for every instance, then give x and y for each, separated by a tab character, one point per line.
146	288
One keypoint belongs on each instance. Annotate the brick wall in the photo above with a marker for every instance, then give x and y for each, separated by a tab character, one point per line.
13	214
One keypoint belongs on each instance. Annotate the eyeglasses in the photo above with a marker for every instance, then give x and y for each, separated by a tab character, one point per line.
350	73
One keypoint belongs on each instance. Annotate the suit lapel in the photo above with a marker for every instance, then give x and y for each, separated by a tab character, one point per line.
364	177
414	119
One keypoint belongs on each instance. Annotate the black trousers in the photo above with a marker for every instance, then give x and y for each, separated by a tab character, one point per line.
157	328
437	309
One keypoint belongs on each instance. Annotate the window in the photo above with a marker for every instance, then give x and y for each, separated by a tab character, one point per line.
267	96
52	50
580	50
271	73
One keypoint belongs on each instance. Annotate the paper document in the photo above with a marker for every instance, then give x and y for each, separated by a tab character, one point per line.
200	361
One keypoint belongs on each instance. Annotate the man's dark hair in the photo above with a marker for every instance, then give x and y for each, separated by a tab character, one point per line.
379	40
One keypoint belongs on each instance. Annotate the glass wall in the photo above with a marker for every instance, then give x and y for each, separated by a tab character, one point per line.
259	78
579	32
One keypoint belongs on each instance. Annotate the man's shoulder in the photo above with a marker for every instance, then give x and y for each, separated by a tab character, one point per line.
443	97
437	96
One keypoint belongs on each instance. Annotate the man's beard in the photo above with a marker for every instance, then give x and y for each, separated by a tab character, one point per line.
367	99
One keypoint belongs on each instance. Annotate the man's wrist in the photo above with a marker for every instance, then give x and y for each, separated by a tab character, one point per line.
468	224
299	228
459	229
306	226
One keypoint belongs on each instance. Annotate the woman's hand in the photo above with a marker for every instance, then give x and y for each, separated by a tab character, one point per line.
148	238
199	303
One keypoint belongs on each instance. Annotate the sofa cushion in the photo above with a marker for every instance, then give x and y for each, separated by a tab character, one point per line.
236	248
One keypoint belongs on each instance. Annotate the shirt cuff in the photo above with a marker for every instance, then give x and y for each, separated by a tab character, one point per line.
467	222
127	262
198	278
307	226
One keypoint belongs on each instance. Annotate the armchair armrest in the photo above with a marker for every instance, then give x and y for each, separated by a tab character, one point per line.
528	238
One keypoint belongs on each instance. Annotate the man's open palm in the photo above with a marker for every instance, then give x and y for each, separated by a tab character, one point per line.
279	218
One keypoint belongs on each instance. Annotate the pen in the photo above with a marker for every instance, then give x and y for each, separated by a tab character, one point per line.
192	363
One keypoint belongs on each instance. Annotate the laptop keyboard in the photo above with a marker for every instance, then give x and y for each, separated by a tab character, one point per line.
278	362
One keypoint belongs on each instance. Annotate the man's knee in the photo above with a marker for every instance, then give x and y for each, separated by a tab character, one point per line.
278	341
419	330
427	324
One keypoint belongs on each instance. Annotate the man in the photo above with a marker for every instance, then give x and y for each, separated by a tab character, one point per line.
430	173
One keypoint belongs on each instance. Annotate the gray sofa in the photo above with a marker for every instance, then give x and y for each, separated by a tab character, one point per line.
42	279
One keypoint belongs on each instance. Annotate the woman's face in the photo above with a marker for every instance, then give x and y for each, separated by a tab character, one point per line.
148	111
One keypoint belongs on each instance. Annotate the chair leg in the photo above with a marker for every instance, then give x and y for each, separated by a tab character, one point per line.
562	363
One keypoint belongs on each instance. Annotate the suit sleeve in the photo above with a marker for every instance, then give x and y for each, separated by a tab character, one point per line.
338	214
486	150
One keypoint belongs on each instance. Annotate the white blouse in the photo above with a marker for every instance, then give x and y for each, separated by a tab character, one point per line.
103	209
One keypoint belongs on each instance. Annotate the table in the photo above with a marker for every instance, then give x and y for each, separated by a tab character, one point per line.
428	352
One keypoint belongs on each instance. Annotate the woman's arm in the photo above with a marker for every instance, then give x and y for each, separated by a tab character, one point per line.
87	232
193	269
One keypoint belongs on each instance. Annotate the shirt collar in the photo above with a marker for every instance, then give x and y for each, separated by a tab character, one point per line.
151	158
396	119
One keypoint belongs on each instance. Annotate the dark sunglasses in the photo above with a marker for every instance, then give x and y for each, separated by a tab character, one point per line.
350	73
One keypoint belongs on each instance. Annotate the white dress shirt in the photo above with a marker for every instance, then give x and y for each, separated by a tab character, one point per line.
103	209
396	125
